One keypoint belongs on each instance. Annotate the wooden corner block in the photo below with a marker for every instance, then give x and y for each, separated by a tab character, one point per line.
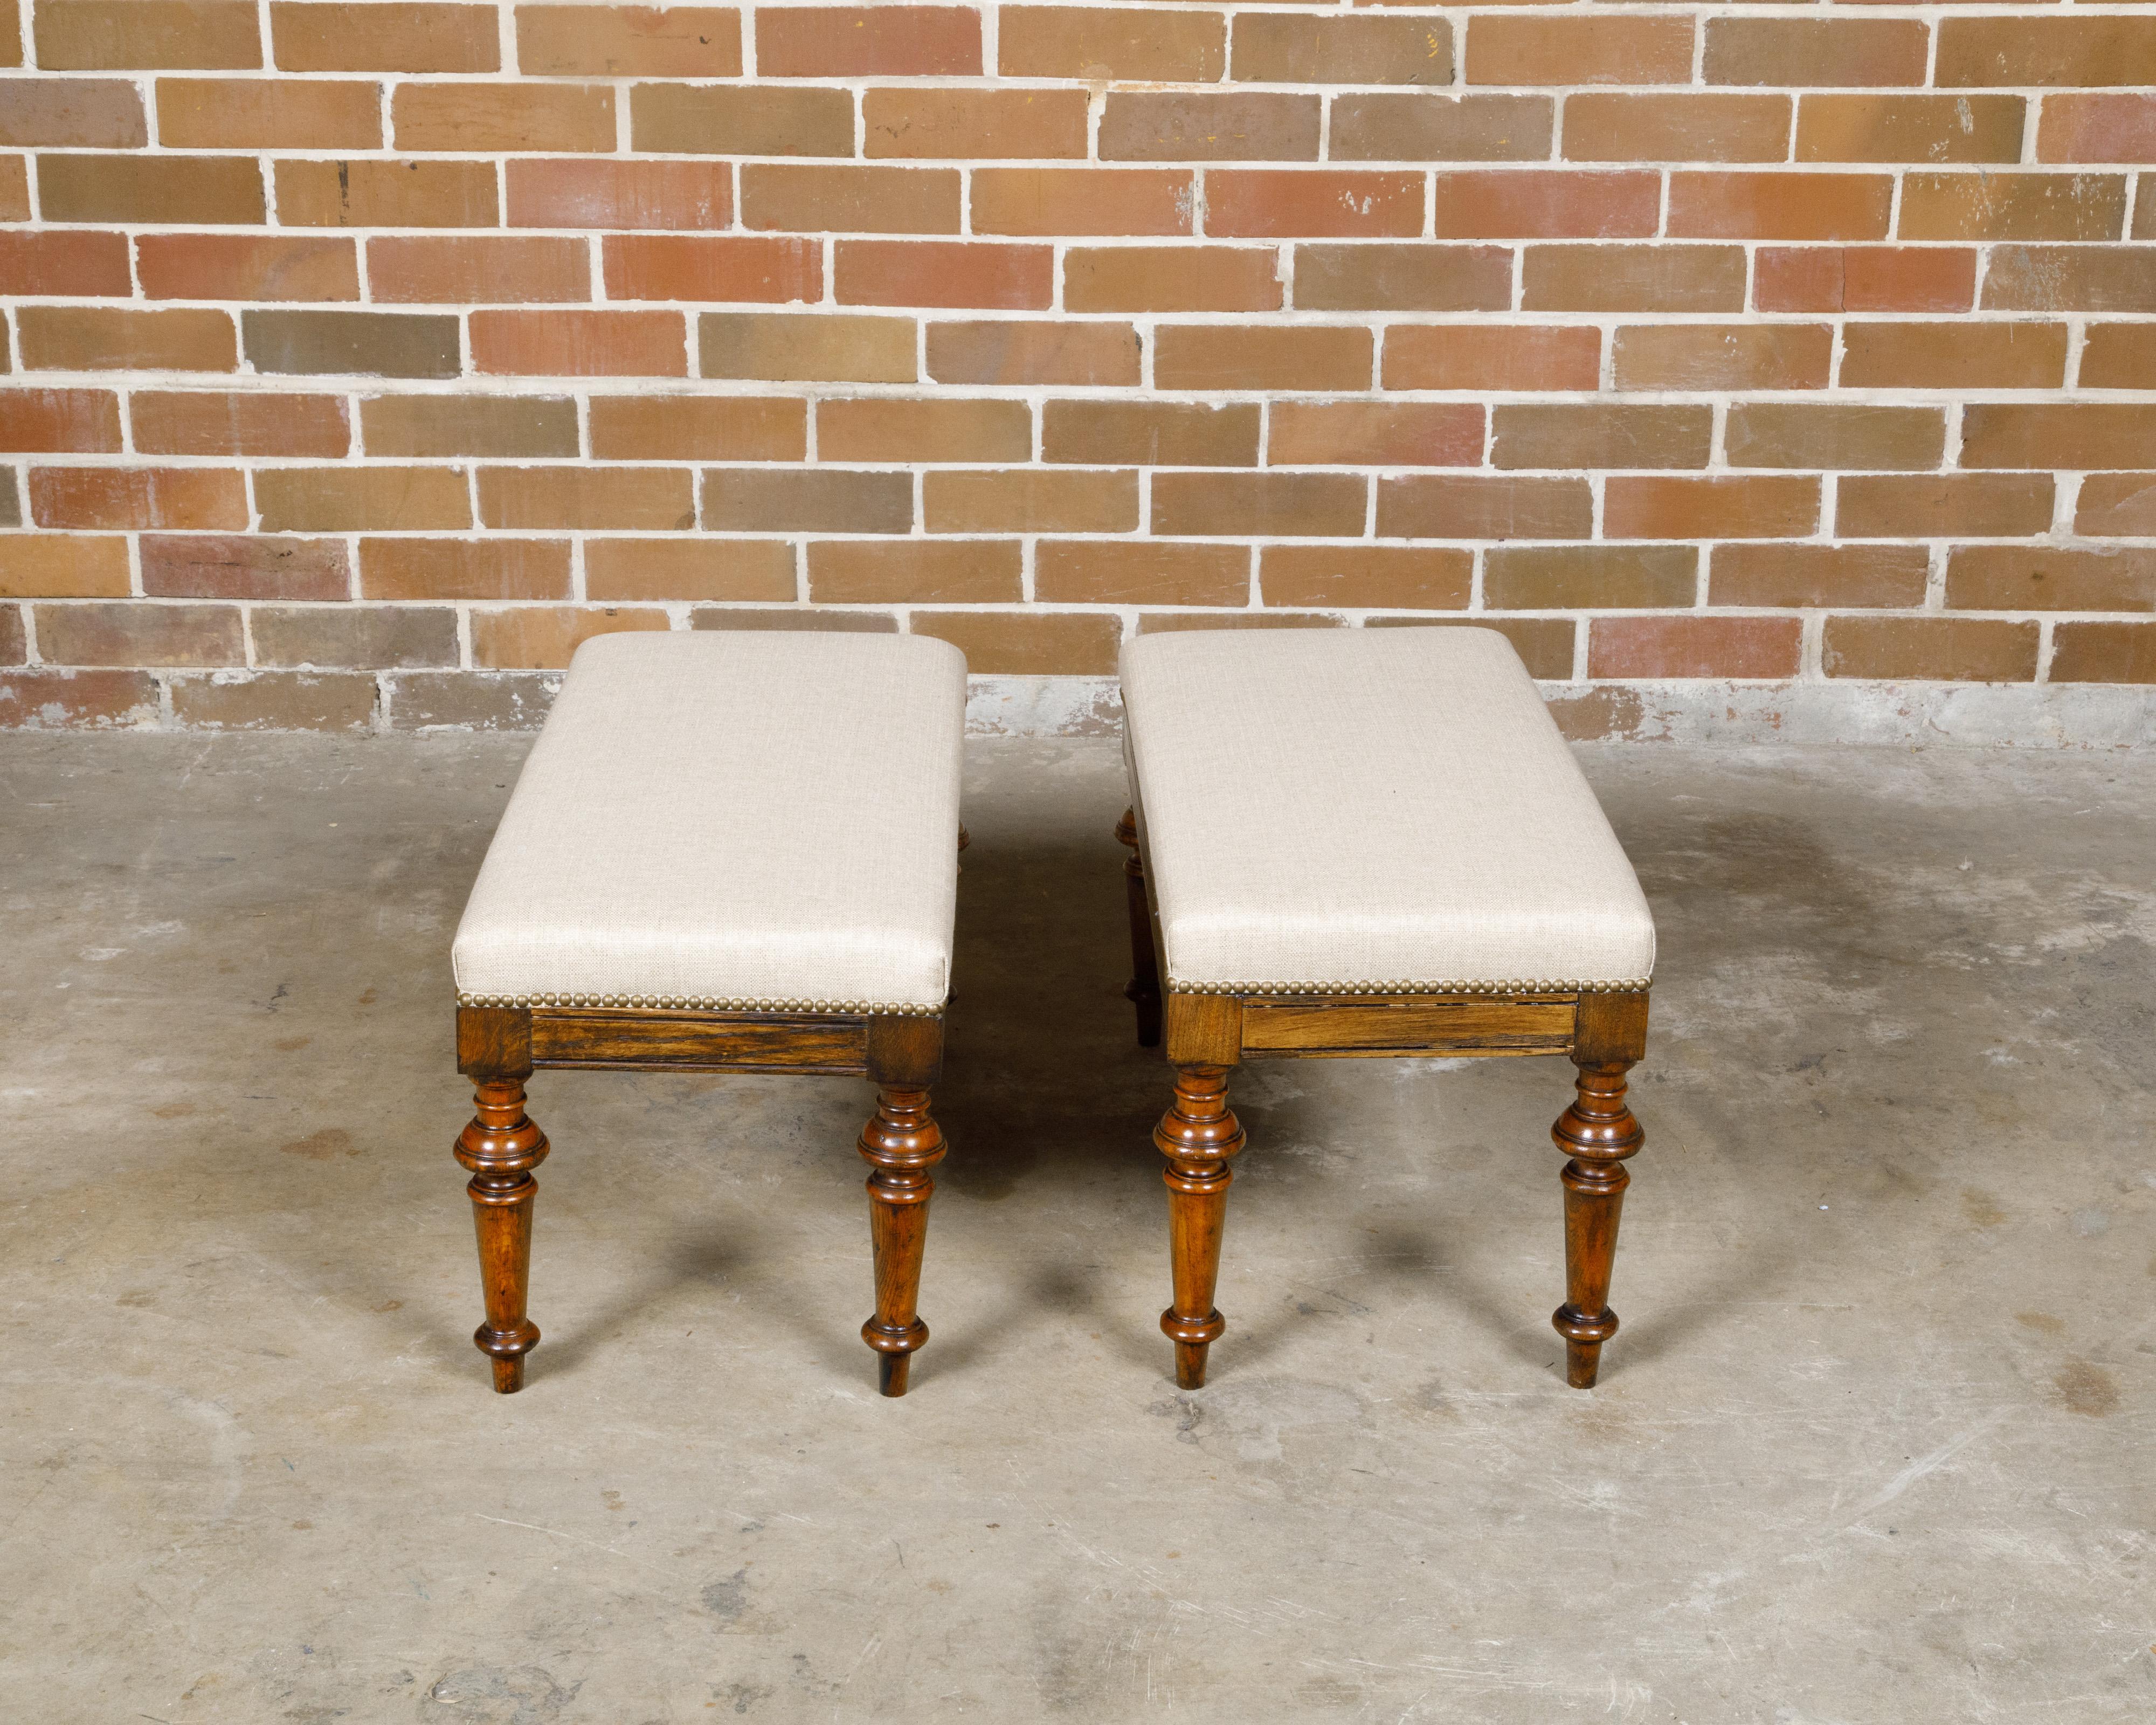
1203	1029
1610	1029
494	1041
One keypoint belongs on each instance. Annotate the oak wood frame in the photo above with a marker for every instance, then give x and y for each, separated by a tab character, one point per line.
1603	1034
500	1047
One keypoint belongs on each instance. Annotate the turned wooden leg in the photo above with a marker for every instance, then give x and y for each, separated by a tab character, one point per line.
1597	1132
902	1143
1144	989
1196	1135
501	1146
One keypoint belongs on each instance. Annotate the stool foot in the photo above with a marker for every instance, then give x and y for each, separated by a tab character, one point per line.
1597	1132
1196	1135
1143	990
501	1146
901	1143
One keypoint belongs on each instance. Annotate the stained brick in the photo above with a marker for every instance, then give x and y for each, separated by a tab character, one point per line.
62	261
1259	505
1064	352
1607	126
1845	53
2045	578
139	634
1941	506
71	113
961	275
1308	433
544	637
800	198
1545	204
1445	506
651	570
2118	356
225	566
867	41
1779	206
84	421
751	119
1190	125
129	497
808	500
2062	434
1122	44
1659	506
1743	648
698	427
1699	356
1149	433
1957	649
72	338
387	344
210	191
1311	356
1582	577
446	269
247	266
954	124
502	116
2095	51
207	422
1031	499
713	266
268	114
2117	504
464	424
63	566
2013	206
580	192
1171	278
934	428
628	41
1149	571
1444	356
1073	200
386	194
1865	278
1599	434
91	700
1578	50
786	347
2104	653
1403	278
275	700
564	499
1634	278
349	500
1299	48
408	568
1909	128
1404	125
1270	203
912	571
997	643
1789	576
1814	435
1364	577
579	344
95	35
2091	126
2073	278
385	38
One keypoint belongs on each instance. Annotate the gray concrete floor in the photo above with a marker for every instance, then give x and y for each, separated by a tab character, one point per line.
1872	1445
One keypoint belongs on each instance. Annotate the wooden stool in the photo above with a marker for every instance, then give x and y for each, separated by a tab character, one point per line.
728	852
1367	842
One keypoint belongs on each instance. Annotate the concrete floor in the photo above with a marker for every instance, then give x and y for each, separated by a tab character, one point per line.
1873	1444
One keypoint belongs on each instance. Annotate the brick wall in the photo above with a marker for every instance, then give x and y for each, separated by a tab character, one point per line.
364	358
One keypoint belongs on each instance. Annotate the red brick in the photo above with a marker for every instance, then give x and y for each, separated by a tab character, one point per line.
1744	648
1909	128
1151	572
579	344
135	633
1545	204
389	344
1309	434
1259	505
14	188
129	497
1030	500
541	637
1275	204
794	347
1578	50
84	421
218	566
1607	126
885	272
1600	434
1764	356
385	194
939	428
2065	435
867	42
350	500
2104	653
385	38
655	570
1581	578
209	191
238	422
1780	206
2090	126
246	266
849	200
406	568
886	572
549	499
821	619
45	699
1401	125
1843	52
1992	205
2074	278
1957	649
575	193
628	41
751	119
1188	125
1363	577
63	566
503	116
1149	433
1633	277
1658	506
95	35
1403	278
268	114
1064	352
1172	278
719	267
1312	356
1058	201
80	338
1833	435
2114	49
1942	505
816	500
1017	643
276	701
1787	576
1122	45
465	424
2047	577
66	264
1482	506
1444	356
1297	48
71	113
445	269
950	124
15	646
1865	279
2117	503
698	427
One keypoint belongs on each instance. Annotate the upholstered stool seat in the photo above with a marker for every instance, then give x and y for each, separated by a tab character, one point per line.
746	819
1379	809
1360	842
727	852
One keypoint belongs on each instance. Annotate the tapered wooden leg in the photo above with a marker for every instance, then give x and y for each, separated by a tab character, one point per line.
1196	1135
902	1143
501	1146
1597	1132
1144	989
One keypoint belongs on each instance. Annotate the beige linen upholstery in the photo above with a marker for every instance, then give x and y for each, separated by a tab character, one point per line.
1333	810
747	819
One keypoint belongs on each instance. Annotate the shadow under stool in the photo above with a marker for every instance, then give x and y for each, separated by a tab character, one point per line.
1364	843
727	852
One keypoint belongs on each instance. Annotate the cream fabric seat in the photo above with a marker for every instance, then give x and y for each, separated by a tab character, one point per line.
1330	810
749	819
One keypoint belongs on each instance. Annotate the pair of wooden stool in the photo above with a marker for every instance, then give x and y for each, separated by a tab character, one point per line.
738	853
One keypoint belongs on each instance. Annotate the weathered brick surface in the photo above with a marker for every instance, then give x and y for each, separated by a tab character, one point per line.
370	356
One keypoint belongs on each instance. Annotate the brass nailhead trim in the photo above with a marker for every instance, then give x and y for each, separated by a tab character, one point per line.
703	1003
